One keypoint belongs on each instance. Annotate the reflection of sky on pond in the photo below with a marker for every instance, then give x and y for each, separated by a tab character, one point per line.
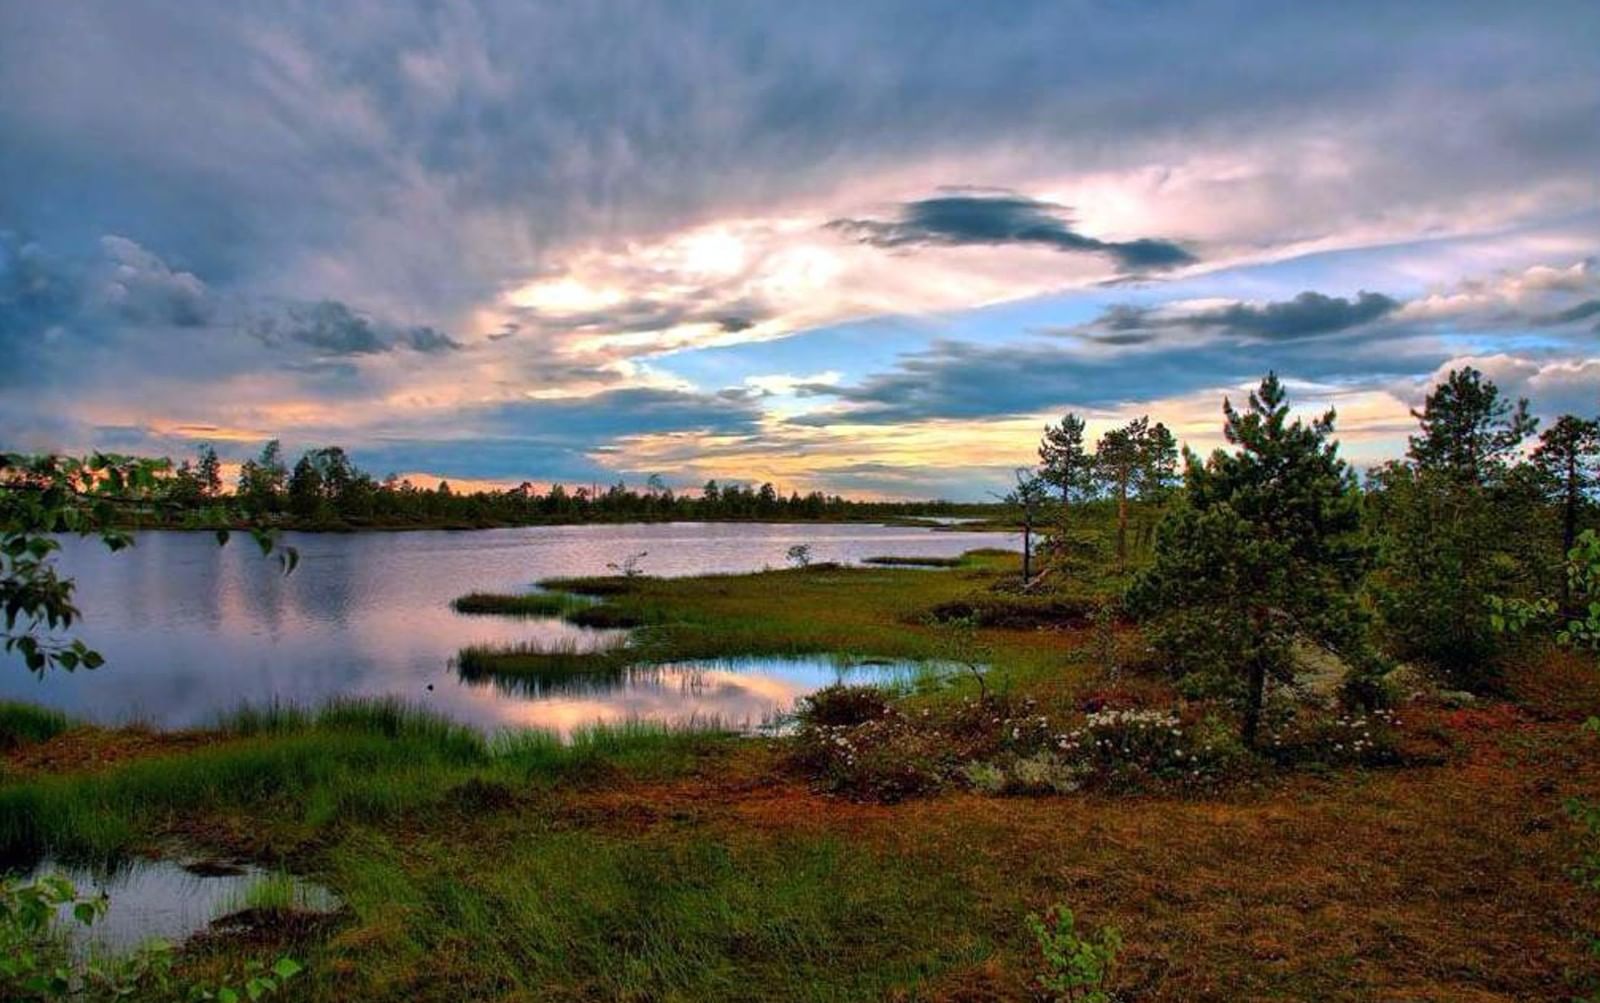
160	899
190	629
742	693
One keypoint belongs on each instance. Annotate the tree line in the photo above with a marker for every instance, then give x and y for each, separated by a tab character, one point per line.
325	488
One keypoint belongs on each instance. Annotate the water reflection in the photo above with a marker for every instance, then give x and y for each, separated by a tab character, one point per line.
167	900
191	630
745	694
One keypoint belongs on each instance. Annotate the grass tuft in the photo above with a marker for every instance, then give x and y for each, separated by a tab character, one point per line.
543	662
25	724
521	604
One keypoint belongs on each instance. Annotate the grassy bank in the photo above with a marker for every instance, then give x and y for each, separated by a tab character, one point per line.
299	774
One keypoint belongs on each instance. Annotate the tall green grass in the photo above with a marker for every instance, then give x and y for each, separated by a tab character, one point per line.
587	915
519	604
24	724
545	663
304	771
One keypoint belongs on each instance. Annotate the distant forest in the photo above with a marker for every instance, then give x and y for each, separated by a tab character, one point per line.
324	489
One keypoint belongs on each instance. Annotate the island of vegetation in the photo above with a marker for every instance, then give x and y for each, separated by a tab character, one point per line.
1265	730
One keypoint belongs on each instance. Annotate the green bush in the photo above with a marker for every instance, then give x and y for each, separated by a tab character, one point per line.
1074	968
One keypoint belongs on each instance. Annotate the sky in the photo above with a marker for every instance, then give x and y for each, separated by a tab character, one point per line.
866	248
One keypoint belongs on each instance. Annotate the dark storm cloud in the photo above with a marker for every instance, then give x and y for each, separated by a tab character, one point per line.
988	220
38	294
409	163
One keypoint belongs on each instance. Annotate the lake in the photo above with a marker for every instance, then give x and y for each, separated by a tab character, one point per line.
191	630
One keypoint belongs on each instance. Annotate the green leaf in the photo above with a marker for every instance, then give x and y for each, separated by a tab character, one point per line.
286	968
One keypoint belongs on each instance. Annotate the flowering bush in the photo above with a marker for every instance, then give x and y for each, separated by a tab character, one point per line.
1349	739
861	745
856	742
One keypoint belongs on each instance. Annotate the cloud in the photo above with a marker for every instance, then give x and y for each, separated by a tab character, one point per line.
333	328
144	290
988	220
1309	314
1552	387
1128	352
1306	315
1582	311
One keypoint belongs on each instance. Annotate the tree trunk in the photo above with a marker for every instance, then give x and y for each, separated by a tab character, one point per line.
1027	548
1122	526
1253	701
1569	528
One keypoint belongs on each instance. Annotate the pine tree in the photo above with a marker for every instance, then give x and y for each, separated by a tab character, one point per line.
1120	458
1267	552
1569	457
1064	463
209	472
1468	430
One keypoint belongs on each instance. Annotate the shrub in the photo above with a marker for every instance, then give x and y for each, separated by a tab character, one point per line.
1002	746
1074	968
914	561
841	705
1016	612
1045	773
1347	739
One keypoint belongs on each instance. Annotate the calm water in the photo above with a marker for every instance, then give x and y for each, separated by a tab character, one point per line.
163	900
190	629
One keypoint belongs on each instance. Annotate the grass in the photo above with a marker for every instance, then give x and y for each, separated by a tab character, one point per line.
855	612
306	773
25	724
518	604
538	665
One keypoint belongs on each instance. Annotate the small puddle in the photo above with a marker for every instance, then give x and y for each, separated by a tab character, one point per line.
172	900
